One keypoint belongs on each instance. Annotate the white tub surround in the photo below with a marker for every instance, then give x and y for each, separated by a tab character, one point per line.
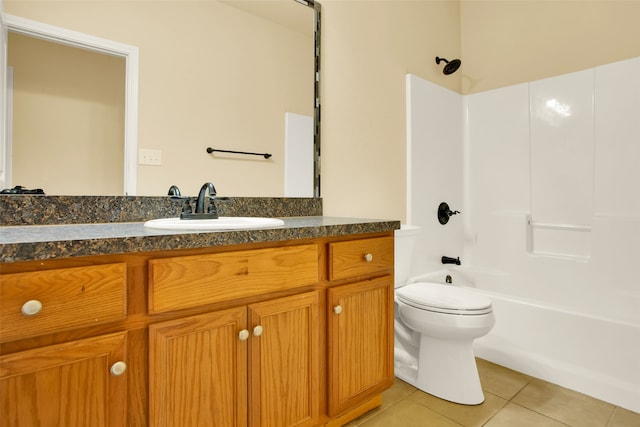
550	200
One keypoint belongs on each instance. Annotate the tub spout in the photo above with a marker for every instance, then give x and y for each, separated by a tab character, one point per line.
449	260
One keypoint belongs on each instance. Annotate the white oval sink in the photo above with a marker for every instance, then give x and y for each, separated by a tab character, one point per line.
222	223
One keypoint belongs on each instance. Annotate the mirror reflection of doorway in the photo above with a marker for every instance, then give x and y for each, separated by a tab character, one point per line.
68	117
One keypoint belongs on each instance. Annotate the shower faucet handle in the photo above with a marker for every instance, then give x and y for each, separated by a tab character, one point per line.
444	213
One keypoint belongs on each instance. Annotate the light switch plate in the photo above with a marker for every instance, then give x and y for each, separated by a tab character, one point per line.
149	157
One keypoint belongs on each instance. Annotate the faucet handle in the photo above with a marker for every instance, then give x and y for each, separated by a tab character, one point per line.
186	206
444	213
212	206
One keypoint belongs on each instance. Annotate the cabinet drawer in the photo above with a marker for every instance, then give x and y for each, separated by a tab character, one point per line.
69	298
360	257
190	281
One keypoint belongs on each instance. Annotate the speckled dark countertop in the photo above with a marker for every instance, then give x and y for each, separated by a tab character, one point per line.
47	227
40	242
41	210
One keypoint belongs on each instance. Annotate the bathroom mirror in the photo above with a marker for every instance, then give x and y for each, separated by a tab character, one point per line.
219	101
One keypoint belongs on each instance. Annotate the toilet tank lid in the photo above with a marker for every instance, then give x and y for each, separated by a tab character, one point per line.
442	296
408	230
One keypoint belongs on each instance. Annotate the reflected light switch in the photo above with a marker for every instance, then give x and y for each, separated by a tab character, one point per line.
149	157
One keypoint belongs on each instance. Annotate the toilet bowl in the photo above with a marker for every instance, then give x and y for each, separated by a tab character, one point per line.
435	326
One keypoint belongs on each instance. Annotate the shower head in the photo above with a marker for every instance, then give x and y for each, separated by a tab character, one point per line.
451	67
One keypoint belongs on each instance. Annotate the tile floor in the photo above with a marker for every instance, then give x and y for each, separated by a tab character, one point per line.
512	399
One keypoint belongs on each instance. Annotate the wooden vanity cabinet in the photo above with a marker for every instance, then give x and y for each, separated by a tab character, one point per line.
75	383
194	358
284	361
48	301
78	383
276	334
257	365
360	325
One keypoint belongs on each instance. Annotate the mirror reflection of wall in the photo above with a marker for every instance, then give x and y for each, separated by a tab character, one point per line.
68	109
210	75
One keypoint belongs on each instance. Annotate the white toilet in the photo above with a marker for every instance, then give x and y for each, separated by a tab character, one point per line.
435	326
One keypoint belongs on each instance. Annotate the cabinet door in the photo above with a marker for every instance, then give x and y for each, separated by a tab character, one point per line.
360	340
198	370
80	383
285	362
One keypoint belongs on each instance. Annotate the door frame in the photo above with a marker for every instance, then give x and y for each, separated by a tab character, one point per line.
80	40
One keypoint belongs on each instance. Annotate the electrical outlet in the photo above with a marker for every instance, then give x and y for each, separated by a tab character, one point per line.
149	157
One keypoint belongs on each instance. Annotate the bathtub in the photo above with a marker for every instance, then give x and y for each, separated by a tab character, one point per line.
591	354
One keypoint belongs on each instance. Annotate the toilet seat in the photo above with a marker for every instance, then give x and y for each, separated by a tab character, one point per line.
443	299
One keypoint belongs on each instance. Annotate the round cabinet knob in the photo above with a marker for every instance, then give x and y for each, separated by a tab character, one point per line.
257	331
368	257
243	335
31	307
337	309
118	368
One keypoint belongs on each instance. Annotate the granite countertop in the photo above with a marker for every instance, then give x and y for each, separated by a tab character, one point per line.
41	242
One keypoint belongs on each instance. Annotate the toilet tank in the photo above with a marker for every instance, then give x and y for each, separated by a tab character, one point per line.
405	240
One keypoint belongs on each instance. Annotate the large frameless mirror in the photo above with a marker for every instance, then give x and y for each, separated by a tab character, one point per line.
237	75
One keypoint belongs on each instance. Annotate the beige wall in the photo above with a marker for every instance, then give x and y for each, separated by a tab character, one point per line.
368	46
210	75
510	42
68	109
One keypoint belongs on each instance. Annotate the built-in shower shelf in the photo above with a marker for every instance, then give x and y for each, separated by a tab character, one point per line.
553	226
557	240
556	255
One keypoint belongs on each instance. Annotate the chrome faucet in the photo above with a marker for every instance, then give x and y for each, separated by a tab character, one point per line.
202	199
